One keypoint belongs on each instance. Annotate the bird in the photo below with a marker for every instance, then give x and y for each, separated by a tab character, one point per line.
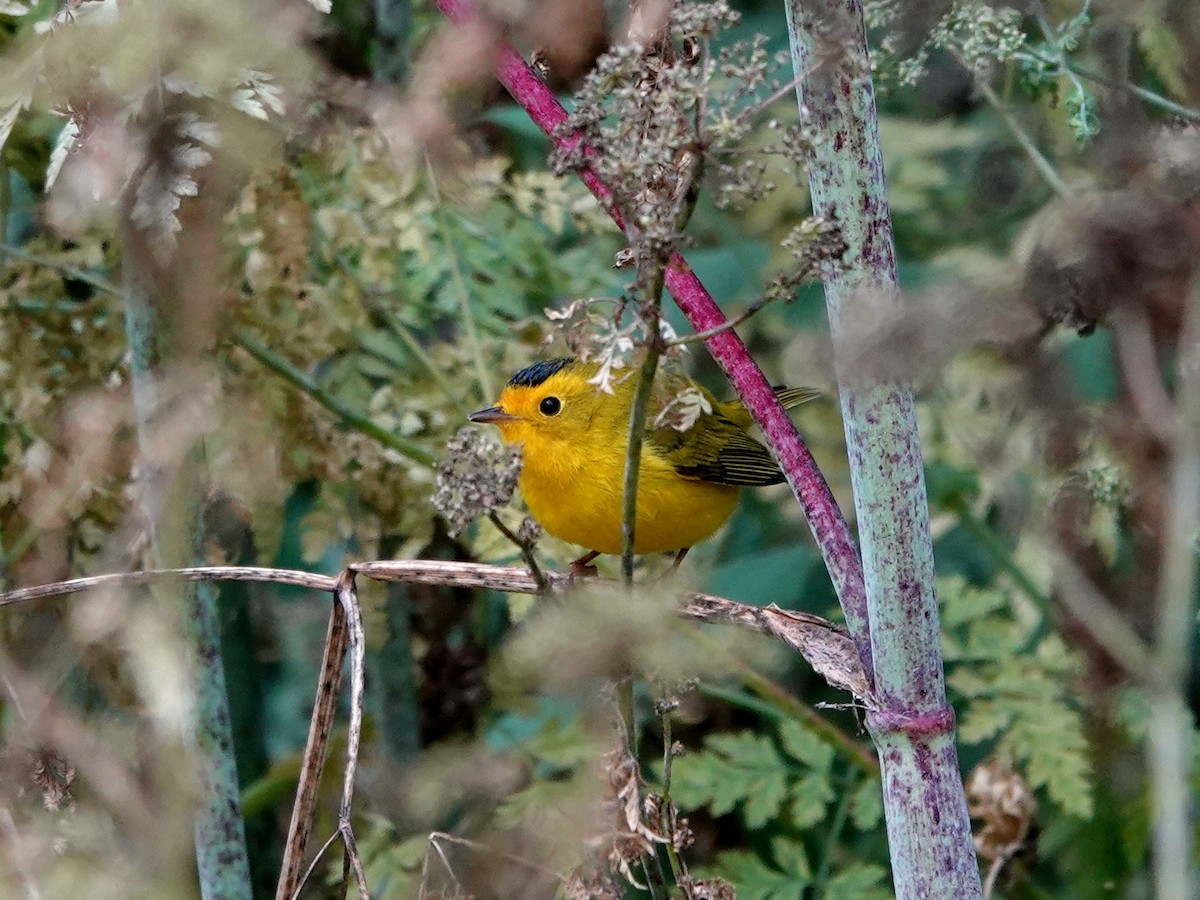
575	438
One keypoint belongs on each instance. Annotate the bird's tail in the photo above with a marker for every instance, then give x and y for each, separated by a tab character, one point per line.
790	397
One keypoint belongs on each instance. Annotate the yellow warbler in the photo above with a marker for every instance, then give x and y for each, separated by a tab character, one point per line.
576	437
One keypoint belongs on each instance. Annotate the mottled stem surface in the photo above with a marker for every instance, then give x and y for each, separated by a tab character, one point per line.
913	726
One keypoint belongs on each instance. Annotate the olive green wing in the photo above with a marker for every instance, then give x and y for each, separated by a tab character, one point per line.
715	449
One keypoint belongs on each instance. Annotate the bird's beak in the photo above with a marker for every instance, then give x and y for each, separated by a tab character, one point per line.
492	415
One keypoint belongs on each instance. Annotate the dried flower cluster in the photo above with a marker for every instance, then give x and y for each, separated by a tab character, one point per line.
477	477
1006	809
644	821
671	112
817	244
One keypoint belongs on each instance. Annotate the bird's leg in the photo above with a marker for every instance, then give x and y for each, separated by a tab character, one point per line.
679	555
582	567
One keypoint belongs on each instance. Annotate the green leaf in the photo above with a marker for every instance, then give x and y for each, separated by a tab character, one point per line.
1164	54
733	768
859	881
563	746
866	806
803	744
810	795
532	804
756	880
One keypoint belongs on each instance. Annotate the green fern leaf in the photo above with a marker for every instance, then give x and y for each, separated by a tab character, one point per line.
756	880
858	882
733	768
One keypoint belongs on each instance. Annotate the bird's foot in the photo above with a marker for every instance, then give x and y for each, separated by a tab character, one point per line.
582	568
679	555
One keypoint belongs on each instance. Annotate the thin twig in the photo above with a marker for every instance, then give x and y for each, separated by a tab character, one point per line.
772	700
1040	162
758	108
484	848
1104	623
805	632
526	552
197	573
666	821
309	386
347	597
316	749
460	285
700	337
312	867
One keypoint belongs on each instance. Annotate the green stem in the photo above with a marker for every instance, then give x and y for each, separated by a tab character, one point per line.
638	414
1017	130
88	278
666	821
833	839
1163	103
996	549
176	533
449	391
460	284
776	704
309	386
910	720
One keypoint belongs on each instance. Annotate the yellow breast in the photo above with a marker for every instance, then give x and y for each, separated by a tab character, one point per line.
578	498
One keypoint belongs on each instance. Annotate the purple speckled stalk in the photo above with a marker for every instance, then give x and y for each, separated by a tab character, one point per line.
929	831
828	526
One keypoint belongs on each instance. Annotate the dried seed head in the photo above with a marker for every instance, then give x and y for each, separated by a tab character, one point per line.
529	532
477	477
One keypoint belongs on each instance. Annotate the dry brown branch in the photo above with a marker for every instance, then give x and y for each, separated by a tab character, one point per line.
347	599
292	874
197	573
826	646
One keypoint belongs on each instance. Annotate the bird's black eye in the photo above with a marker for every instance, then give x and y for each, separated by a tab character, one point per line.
550	406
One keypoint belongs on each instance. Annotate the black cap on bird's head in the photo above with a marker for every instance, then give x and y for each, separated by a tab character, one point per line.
534	374
530	377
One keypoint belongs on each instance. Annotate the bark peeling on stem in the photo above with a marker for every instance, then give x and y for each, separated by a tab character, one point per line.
929	832
825	519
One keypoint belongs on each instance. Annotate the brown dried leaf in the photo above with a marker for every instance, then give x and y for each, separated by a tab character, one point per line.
1003	802
826	647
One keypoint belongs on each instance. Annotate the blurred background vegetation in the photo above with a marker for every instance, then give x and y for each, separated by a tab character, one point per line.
358	235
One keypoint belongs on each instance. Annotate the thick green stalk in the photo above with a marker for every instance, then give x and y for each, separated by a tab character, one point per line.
1171	742
913	726
177	535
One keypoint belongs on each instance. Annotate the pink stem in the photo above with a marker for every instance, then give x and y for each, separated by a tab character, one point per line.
828	526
